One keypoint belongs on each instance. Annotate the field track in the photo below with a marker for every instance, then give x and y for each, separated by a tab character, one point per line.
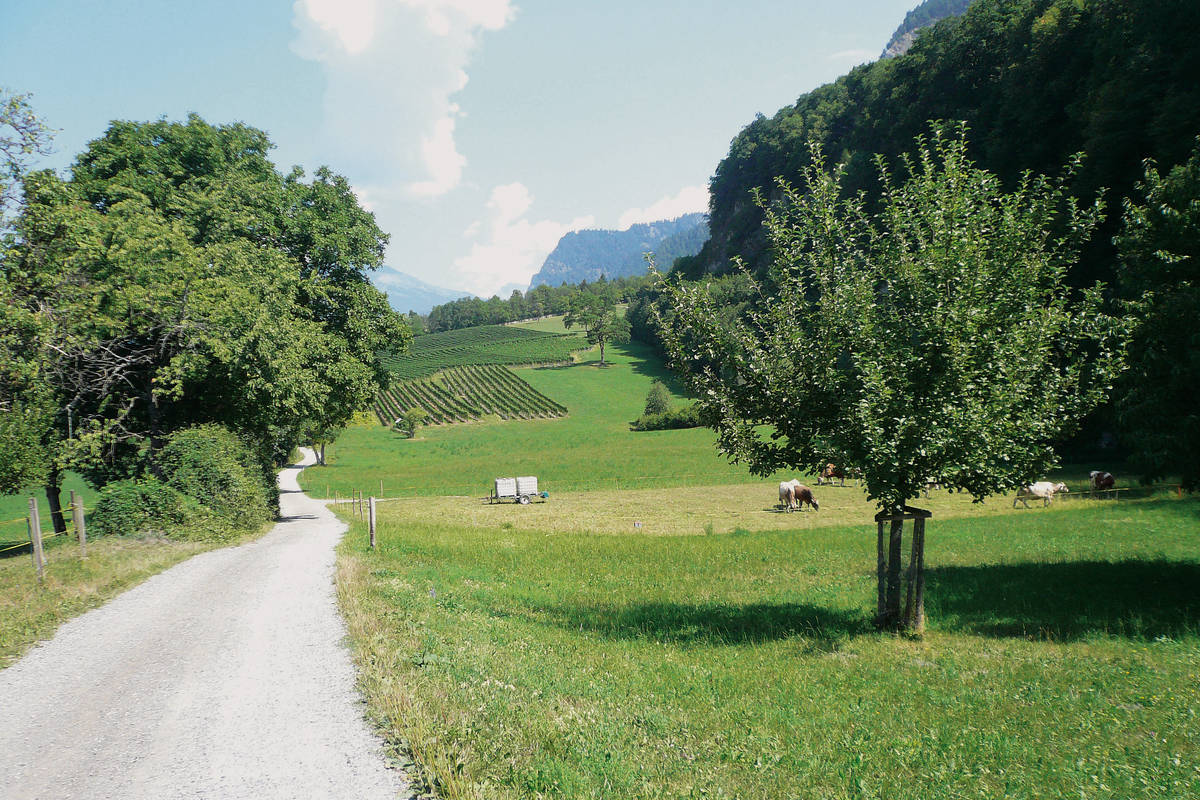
223	677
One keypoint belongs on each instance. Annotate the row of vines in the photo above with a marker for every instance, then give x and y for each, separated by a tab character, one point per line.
464	393
489	344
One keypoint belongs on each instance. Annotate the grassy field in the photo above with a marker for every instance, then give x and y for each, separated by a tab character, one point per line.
526	659
658	629
590	448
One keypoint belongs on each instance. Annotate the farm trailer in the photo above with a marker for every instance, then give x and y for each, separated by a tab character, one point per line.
521	490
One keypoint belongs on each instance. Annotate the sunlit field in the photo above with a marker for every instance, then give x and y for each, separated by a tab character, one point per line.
524	661
657	627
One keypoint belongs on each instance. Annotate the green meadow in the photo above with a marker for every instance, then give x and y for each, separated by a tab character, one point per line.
589	448
657	628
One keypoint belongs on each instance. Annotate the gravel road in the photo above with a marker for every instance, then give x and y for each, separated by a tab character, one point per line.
224	677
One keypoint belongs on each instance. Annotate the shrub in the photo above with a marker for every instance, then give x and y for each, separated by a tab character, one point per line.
214	467
672	419
658	401
127	507
411	421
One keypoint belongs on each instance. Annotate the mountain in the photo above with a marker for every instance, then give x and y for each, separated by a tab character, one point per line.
406	293
586	255
925	14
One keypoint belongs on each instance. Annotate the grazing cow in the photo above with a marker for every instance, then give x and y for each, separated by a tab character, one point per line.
793	495
831	471
1101	481
1043	489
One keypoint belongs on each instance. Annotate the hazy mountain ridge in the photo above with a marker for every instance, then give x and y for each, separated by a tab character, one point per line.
923	15
586	255
406	293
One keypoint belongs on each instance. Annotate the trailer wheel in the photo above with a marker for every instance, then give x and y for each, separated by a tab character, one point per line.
524	500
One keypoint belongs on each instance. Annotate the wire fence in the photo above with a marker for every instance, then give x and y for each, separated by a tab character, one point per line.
74	511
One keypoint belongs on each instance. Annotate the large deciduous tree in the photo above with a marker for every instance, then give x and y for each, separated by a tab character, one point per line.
178	279
1160	254
599	317
934	337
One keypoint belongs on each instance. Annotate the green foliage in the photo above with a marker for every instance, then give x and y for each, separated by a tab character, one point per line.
540	301
24	457
658	399
128	507
597	314
212	466
1160	251
178	279
410	421
22	136
1038	80
933	338
669	420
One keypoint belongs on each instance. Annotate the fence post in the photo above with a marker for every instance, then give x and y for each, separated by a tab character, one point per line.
371	519
35	536
78	521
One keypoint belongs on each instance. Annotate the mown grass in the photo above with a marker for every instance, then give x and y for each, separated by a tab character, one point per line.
512	662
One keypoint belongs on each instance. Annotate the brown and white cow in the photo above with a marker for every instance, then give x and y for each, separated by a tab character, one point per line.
793	495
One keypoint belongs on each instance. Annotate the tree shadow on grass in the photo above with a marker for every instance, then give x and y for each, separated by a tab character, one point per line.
714	623
1066	601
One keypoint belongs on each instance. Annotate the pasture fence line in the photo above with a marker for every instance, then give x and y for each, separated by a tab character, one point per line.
37	539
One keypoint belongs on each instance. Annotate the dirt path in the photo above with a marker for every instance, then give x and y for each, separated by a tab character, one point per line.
223	677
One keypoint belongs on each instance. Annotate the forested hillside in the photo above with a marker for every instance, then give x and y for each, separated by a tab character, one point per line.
587	255
1036	80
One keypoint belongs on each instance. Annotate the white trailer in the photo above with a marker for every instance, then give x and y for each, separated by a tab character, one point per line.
522	490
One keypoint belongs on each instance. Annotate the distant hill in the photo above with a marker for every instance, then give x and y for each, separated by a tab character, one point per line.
925	14
406	293
586	255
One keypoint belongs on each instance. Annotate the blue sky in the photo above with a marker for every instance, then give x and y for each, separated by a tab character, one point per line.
478	131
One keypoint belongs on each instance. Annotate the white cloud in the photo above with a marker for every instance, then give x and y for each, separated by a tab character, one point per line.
513	247
391	68
688	200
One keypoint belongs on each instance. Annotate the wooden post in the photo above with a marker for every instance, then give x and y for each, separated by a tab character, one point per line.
35	536
371	519
881	573
919	557
78	521
895	556
906	619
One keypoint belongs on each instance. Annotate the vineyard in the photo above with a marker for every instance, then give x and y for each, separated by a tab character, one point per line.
489	344
467	392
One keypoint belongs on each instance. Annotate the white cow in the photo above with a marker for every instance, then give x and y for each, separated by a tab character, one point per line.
1043	489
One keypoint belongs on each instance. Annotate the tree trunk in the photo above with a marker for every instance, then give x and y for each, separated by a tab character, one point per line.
54	500
321	460
601	351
